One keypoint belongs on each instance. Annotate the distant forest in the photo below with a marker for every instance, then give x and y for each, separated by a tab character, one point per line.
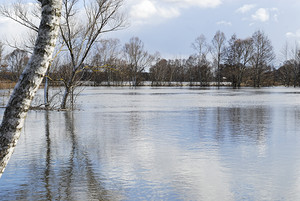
239	62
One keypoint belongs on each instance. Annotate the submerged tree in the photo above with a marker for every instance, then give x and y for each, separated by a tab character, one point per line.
202	49
137	58
218	52
30	80
262	56
105	59
238	55
27	15
79	34
79	30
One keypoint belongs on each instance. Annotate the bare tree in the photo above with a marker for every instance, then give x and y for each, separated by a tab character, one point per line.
1	52
105	59
262	56
31	78
238	55
28	15
80	29
3	67
101	16
218	47
25	14
286	73
158	72
294	62
202	49
16	62
137	58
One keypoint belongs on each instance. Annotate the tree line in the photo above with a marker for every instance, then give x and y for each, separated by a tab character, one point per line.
83	57
240	62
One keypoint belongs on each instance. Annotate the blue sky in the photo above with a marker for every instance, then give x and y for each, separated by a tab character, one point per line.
170	26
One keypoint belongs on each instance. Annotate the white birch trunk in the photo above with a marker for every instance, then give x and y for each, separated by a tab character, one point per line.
31	78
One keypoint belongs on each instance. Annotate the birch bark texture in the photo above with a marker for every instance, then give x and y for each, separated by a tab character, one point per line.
30	80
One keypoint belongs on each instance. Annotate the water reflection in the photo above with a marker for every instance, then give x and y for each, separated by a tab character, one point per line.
79	170
196	145
47	172
235	124
154	163
66	174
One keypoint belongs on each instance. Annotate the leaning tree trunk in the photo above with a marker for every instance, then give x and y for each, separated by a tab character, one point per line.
29	81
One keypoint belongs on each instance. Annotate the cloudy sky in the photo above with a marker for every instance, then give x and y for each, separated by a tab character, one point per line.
170	26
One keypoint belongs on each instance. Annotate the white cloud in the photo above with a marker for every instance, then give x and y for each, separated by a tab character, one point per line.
262	14
293	38
225	23
246	8
265	14
169	13
200	3
147	11
203	3
293	34
144	9
290	34
274	9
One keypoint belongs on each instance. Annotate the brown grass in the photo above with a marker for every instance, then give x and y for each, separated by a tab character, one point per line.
7	84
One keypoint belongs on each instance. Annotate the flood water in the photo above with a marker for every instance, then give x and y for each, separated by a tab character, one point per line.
161	144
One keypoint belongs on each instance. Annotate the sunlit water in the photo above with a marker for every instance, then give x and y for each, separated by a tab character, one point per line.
161	144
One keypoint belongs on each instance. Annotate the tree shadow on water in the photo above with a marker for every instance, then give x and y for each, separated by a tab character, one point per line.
61	171
78	176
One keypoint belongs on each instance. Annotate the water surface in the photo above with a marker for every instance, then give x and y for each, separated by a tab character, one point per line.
161	144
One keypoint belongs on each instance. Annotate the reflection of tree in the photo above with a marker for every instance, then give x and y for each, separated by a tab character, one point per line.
238	123
48	157
67	173
78	164
220	125
51	177
134	123
250	122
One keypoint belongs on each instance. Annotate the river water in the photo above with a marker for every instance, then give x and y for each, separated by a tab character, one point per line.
161	144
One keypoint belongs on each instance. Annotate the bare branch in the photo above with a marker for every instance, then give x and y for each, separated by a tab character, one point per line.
20	13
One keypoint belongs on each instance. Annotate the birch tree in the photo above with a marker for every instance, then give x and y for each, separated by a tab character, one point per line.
30	80
80	29
27	15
